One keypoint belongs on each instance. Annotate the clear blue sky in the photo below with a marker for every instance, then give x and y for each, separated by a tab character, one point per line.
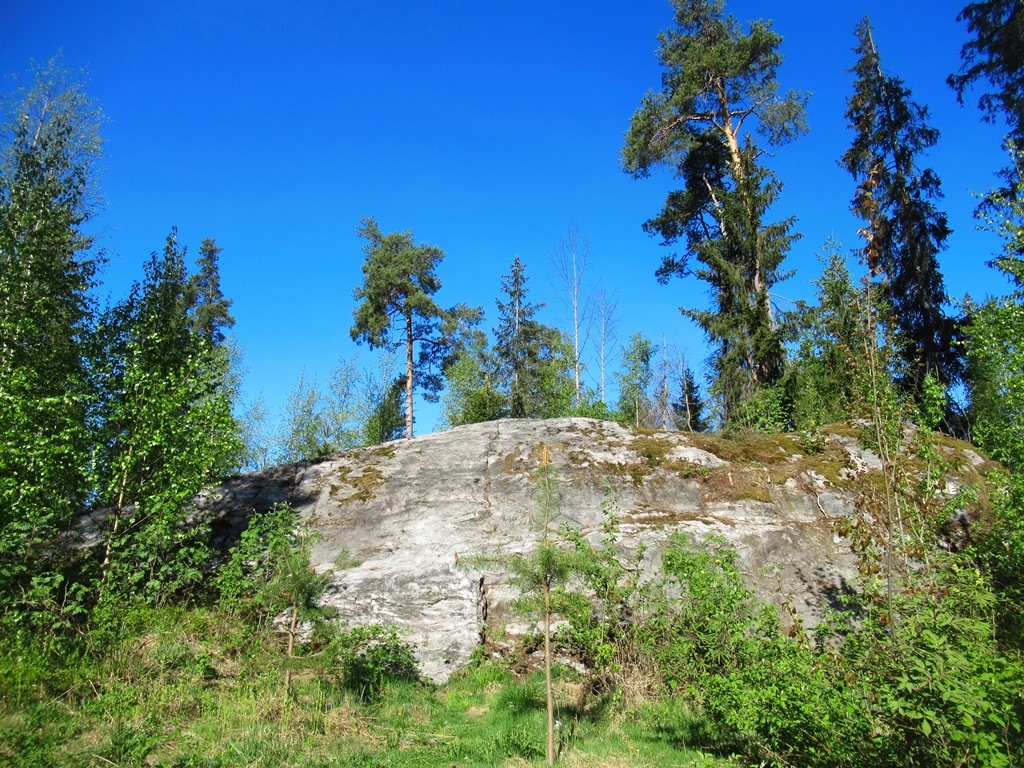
485	127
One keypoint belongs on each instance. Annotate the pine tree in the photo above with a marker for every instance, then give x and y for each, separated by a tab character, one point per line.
905	231
49	145
719	81
543	577
399	283
995	54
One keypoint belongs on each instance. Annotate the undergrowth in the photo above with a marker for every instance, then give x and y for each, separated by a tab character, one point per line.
202	687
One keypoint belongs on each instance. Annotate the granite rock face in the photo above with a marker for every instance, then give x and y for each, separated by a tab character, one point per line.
407	512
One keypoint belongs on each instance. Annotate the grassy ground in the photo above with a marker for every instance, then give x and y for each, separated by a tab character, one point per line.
201	689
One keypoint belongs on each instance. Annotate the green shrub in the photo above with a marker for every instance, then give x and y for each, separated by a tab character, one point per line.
257	557
129	745
702	620
366	658
933	689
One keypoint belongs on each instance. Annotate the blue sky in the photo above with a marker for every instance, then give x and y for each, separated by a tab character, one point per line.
487	128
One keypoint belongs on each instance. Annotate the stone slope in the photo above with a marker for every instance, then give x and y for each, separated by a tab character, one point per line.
408	511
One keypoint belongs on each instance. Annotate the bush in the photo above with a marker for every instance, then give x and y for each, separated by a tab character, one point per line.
367	658
702	619
257	557
932	689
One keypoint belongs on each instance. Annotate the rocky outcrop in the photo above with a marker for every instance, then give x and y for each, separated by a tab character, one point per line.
406	513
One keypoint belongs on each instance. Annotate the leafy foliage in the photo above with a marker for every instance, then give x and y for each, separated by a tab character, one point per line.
49	147
472	395
826	374
131	412
935	690
317	423
995	375
995	354
386	419
369	657
256	559
635	381
167	430
601	614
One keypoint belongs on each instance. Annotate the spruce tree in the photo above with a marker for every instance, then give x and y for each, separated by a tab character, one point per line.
211	313
718	83
515	336
689	408
905	230
534	362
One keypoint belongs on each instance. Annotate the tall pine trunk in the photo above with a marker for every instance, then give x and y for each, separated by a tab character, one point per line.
408	374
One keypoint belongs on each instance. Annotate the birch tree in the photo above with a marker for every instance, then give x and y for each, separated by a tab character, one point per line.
570	262
49	147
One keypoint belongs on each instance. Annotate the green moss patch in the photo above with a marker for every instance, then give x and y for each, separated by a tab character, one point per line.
365	482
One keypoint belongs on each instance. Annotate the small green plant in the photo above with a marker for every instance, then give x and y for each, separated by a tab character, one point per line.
602	613
931	403
812	441
766	411
540	576
129	745
255	560
268	573
702	620
521	696
367	657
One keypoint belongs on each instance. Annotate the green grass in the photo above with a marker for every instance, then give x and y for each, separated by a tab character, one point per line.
201	689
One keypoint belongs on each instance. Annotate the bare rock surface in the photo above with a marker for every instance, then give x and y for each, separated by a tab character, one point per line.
410	514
